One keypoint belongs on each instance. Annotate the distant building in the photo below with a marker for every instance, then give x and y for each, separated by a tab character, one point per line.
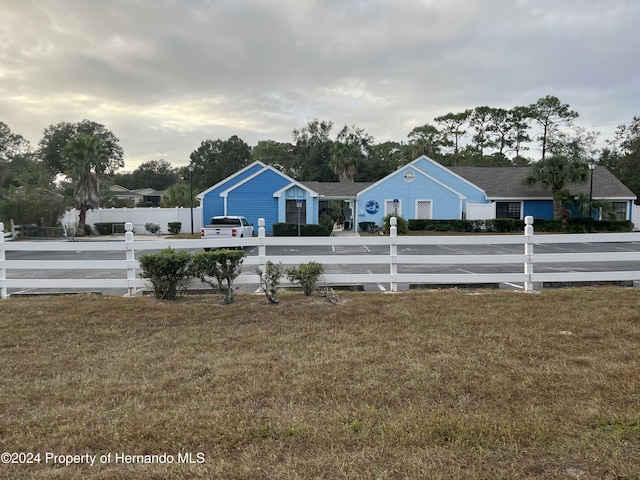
146	196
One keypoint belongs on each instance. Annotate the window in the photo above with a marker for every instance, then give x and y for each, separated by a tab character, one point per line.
508	210
392	207
423	209
620	210
296	214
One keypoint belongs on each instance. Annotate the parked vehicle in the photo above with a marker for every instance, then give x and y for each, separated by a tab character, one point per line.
227	227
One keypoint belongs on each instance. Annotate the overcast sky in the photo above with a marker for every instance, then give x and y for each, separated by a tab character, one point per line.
164	75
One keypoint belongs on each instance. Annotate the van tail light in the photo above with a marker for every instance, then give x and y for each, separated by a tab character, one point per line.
202	233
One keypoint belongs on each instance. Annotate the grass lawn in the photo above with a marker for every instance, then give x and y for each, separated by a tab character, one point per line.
415	385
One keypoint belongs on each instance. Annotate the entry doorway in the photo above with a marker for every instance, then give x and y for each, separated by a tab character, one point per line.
296	211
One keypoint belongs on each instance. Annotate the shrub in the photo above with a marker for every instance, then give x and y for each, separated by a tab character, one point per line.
224	265
281	229
174	227
169	272
402	225
326	222
503	225
367	226
152	227
307	275
270	279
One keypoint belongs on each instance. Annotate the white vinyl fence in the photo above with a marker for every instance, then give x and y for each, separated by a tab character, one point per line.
128	270
139	217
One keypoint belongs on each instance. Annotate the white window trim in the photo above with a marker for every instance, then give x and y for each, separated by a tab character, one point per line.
390	200
430	200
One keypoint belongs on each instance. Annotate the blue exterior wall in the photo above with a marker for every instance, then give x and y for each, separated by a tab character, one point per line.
445	204
213	204
297	193
538	209
254	199
472	193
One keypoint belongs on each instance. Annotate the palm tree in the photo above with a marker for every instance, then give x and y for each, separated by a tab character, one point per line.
555	172
344	160
85	158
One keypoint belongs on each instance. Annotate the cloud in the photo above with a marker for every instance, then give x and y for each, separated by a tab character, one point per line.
164	76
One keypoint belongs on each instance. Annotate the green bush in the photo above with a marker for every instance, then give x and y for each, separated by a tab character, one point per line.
152	227
402	225
504	225
307	275
174	227
270	279
169	272
582	225
368	226
223	265
326	222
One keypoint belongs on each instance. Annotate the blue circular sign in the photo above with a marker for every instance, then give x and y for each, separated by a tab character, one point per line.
372	207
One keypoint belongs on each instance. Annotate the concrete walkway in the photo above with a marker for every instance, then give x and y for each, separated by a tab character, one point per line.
341	232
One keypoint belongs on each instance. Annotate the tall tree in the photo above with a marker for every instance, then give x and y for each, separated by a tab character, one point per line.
623	155
313	148
15	151
579	144
215	160
156	174
518	119
550	114
344	160
556	172
85	158
453	129
425	140
481	120
383	159
56	137
277	154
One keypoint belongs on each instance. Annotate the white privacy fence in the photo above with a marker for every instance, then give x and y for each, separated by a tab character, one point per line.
139	217
340	269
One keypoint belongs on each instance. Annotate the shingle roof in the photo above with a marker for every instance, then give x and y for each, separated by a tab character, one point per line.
506	182
337	189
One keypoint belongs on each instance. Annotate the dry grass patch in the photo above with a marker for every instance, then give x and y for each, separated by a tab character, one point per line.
428	384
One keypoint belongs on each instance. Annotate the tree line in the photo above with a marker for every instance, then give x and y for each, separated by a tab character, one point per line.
88	157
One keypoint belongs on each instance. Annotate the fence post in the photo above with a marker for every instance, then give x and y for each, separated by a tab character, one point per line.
3	271
528	251
131	258
13	230
393	252
262	248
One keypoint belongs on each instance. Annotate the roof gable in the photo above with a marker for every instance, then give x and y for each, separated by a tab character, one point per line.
269	168
252	166
411	167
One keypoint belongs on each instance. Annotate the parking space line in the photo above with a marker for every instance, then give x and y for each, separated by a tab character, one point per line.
380	286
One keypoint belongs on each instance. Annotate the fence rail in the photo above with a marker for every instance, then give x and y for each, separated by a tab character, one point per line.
124	273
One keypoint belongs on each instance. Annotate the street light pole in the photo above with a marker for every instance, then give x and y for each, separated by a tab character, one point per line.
190	167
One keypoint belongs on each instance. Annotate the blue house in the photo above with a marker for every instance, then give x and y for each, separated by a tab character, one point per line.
422	189
260	191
